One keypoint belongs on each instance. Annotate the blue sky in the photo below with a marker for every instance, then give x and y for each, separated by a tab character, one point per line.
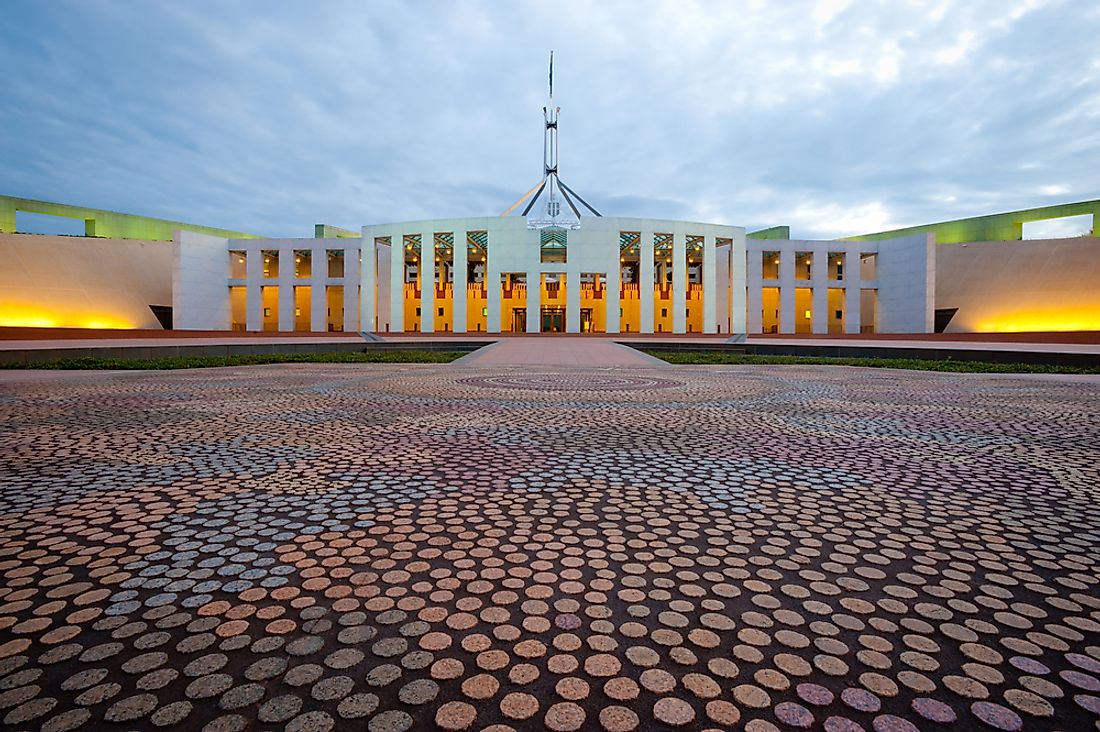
833	117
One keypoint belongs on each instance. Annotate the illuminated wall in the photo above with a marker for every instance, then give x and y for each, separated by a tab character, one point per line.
630	321
995	227
76	282
1019	286
775	232
106	224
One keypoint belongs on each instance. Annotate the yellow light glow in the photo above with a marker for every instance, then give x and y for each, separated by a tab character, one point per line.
8	320
1085	317
31	316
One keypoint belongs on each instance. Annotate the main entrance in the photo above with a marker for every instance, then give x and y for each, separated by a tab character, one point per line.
553	320
519	320
586	320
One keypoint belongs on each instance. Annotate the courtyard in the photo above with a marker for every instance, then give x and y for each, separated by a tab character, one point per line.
391	547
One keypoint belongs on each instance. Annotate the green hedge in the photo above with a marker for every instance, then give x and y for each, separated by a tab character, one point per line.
975	367
199	362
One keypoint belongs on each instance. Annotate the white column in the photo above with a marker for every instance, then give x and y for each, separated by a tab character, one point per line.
458	287
819	277
534	301
318	296
754	321
739	287
492	287
573	302
381	295
397	281
369	284
286	289
710	280
645	282
427	282
722	288
254	304
786	291
852	284
679	282
360	292
612	290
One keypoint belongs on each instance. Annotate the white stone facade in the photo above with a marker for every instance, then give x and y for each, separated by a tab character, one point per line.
732	277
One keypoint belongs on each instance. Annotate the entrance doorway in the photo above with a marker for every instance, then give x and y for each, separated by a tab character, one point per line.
553	320
586	320
519	320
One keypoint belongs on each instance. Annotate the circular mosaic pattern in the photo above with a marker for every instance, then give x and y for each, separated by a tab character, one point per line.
571	382
388	548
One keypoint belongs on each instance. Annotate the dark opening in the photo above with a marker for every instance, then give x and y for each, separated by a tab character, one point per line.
163	315
943	317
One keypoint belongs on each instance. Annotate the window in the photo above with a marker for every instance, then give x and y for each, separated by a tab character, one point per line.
834	262
803	264
769	266
303	263
664	312
336	263
271	263
553	245
441	312
238	264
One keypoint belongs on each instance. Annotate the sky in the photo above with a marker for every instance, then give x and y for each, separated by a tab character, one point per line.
835	117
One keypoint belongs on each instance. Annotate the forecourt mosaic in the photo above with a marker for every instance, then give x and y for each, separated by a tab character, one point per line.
394	547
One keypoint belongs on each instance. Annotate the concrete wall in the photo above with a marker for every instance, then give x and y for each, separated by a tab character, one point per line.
71	281
906	284
1018	286
200	298
893	296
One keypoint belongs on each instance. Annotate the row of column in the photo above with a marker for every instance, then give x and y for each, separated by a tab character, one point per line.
286	282
368	308
819	284
679	282
426	268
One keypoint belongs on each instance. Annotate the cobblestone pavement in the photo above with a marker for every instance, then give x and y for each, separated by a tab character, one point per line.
386	547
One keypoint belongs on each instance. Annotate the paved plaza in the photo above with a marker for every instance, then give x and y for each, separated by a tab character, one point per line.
493	547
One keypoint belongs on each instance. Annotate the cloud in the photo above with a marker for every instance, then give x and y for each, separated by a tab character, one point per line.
835	117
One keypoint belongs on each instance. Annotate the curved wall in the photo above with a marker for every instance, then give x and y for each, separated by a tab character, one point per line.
1020	286
80	282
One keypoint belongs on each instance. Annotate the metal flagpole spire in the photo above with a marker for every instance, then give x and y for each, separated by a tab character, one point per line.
551	185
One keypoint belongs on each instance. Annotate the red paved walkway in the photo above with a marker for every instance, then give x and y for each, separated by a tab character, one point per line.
536	351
